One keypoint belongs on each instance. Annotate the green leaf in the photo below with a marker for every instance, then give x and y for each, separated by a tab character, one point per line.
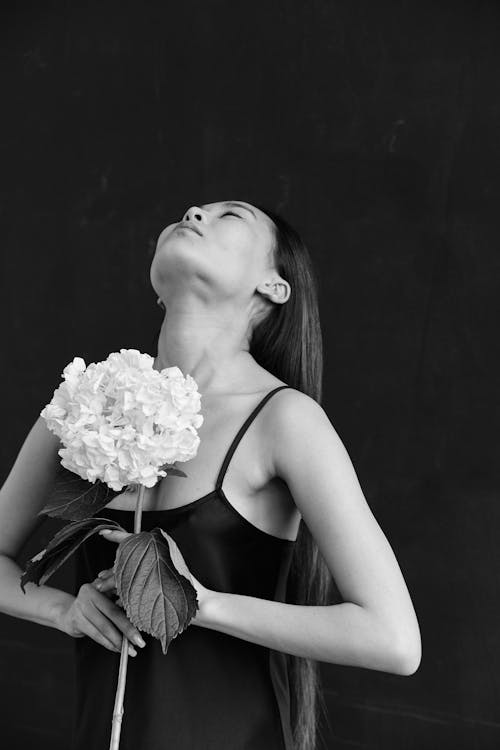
74	498
61	546
154	593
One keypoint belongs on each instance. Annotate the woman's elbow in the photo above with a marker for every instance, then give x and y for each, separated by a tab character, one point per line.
408	658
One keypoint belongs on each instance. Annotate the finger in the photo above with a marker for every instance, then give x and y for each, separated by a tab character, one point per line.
120	619
106	584
114	535
104	625
95	635
105	573
109	590
107	639
109	595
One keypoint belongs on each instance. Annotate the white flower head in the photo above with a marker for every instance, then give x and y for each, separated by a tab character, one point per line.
121	420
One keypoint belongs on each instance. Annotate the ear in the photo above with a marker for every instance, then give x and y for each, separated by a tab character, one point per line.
276	289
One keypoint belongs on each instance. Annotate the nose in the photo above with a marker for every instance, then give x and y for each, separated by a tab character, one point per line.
195	214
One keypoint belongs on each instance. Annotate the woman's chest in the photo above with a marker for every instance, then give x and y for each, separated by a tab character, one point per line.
243	471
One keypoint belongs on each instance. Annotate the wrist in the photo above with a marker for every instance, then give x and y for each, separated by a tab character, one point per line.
58	609
208	601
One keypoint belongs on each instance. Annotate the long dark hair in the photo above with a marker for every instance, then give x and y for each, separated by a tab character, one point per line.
288	343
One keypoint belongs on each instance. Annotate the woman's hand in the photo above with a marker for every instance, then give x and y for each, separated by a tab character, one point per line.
92	613
105	582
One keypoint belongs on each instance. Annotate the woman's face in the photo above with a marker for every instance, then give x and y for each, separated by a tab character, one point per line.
227	243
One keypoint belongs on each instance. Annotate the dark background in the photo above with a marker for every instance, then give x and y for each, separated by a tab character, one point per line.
374	128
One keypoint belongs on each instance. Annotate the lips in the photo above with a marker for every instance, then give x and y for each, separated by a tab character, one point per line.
185	225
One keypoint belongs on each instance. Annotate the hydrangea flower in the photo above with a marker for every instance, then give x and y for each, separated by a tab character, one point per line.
120	420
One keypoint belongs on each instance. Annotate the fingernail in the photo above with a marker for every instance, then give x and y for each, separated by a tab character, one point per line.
98	585
132	650
105	531
101	574
139	641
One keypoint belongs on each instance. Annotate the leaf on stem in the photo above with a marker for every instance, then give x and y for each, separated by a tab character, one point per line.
155	594
74	498
61	547
172	470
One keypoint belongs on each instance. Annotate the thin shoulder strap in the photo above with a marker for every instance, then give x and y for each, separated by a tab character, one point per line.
241	432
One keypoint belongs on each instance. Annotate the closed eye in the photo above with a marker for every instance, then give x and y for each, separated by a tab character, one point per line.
231	213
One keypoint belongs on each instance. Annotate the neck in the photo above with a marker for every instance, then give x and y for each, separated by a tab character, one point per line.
210	348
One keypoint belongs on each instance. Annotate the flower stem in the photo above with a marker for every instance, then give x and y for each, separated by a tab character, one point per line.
138	509
122	673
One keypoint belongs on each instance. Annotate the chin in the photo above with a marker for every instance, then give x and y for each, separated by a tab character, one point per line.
171	264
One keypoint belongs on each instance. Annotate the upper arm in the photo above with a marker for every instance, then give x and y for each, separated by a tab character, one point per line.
310	457
23	494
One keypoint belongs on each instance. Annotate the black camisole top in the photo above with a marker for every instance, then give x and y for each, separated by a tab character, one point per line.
211	691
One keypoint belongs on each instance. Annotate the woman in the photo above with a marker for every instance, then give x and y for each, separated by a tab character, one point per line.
278	520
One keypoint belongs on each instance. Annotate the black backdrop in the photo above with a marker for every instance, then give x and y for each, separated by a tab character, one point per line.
373	127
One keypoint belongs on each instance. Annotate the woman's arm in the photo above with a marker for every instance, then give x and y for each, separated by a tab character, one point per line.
22	496
376	626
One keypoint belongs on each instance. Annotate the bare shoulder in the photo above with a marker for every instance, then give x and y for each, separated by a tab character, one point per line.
24	492
291	409
291	398
293	421
39	445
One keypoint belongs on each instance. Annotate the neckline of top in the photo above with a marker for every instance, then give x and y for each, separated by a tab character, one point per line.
161	512
220	477
177	509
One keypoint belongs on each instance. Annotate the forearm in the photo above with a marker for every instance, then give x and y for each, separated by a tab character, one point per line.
41	604
340	634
